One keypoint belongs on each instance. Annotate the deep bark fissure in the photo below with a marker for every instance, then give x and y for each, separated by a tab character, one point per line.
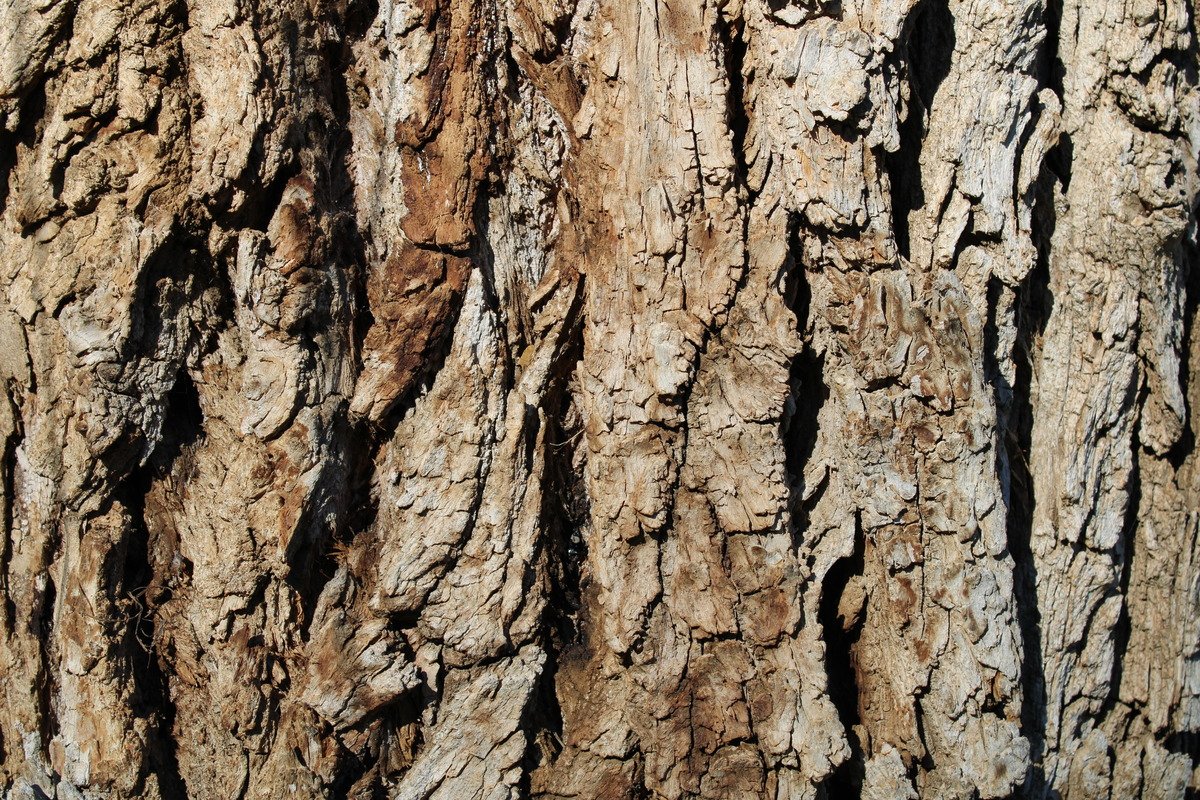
26	134
1033	302
9	453
566	512
1190	264
928	51
179	279
733	46
1052	71
145	582
807	391
43	628
1126	547
353	469
841	638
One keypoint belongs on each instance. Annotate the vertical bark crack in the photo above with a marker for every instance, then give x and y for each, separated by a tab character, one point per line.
1033	302
841	618
148	570
926	55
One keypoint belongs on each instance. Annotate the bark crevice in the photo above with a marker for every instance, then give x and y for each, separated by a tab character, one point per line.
926	54
841	616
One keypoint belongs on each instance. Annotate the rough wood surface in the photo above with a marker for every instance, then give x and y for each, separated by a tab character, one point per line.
487	399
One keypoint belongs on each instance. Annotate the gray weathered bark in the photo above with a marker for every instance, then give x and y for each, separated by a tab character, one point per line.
599	399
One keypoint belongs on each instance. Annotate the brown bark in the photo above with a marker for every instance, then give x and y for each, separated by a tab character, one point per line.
572	398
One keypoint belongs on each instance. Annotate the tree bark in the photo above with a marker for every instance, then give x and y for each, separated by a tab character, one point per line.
599	399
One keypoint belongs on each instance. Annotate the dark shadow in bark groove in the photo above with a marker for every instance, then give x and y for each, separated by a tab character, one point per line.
342	493
183	421
543	723
7	470
350	771
808	394
565	509
41	624
179	282
928	50
830	8
565	513
1034	302
1185	743
372	759
734	47
1051	68
349	247
360	14
1033	679
27	133
1190	261
150	569
341	500
841	636
807	391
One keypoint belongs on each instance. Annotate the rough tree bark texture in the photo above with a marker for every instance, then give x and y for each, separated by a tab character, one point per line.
599	399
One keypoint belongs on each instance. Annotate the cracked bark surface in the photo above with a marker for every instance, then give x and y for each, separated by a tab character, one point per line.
583	399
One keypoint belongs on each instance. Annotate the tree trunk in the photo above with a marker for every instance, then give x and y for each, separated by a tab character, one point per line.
599	399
